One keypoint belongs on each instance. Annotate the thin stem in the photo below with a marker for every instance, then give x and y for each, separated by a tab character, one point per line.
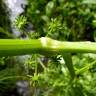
46	46
85	68
11	77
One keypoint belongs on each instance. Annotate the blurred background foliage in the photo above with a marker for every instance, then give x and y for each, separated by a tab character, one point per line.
64	20
5	28
77	19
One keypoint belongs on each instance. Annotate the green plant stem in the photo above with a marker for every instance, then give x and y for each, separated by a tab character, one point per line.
88	66
69	64
46	46
12	77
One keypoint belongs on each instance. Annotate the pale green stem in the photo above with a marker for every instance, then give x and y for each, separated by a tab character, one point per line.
45	46
88	66
12	77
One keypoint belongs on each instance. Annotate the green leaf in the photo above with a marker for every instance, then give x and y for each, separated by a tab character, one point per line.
89	1
94	35
49	7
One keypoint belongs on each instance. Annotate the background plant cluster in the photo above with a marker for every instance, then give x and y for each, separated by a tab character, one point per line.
64	20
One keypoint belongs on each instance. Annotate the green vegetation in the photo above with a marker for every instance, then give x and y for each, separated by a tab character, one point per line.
57	67
5	28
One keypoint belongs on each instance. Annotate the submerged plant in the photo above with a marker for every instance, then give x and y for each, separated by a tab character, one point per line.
49	47
52	62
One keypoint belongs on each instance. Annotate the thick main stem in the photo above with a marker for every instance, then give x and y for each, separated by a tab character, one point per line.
46	46
13	47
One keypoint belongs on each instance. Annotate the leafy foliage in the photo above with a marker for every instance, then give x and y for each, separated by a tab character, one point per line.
62	20
5	28
75	18
20	22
